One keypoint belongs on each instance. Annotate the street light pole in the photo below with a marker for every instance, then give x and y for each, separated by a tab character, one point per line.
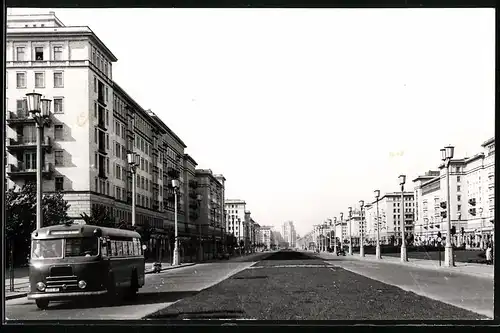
341	232
377	249
334	235
350	230
361	243
404	255
446	156
133	162
175	185
481	243
39	110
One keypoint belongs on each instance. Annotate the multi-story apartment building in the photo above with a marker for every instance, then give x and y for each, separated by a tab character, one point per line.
93	126
390	209
235	213
342	230
289	233
211	214
471	199
266	235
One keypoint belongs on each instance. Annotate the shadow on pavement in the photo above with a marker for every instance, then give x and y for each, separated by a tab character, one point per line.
142	299
213	314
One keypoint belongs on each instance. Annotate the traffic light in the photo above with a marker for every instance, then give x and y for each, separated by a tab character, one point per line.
453	230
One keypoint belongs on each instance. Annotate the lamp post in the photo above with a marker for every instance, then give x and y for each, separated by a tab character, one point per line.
334	235
39	110
199	198
175	185
361	245
404	255
133	162
350	230
341	232
481	243
377	249
446	156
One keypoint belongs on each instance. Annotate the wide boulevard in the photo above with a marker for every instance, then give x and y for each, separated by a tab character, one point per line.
287	285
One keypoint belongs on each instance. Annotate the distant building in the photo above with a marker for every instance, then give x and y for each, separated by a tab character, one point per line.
289	234
266	235
235	218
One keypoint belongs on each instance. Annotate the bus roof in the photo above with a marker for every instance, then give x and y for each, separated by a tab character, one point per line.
81	230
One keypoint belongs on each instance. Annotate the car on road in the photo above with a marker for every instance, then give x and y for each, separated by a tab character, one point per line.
71	260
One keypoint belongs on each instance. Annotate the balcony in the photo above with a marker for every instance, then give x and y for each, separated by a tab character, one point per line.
18	117
20	171
28	142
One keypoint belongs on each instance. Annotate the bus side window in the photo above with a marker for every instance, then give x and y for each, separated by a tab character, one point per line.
119	248
137	251
130	248
125	249
113	249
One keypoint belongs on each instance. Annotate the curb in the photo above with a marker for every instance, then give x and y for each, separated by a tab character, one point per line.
20	295
172	267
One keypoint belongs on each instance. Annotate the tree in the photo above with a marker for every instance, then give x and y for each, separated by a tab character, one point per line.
101	216
21	216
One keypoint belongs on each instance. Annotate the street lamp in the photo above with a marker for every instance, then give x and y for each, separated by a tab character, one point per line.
361	245
377	249
349	209
175	185
481	244
39	110
446	156
133	162
199	198
341	232
404	255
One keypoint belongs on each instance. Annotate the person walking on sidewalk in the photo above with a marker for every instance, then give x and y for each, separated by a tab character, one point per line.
489	258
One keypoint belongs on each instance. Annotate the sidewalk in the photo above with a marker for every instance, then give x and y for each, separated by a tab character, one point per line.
480	270
22	287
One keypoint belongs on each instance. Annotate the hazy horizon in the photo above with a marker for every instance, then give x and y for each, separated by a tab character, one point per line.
303	110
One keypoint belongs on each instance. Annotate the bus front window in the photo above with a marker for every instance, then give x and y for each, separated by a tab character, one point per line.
46	249
81	247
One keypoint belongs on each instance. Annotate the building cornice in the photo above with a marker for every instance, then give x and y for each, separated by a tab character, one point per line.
188	157
488	142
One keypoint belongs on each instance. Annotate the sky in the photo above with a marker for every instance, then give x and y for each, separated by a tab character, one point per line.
307	111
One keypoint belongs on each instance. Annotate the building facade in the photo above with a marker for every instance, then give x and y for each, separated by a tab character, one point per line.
289	233
235	214
472	199
93	126
266	236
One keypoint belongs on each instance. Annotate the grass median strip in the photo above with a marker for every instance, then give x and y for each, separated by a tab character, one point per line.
308	290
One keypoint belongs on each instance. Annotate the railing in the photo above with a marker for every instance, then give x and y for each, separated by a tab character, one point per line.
18	115
28	141
21	167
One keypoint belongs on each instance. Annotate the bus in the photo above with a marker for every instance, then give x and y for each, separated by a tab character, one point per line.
69	261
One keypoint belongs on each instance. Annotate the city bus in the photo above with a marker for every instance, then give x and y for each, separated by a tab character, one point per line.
69	261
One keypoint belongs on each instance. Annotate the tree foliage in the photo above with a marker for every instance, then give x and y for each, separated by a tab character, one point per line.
21	215
101	216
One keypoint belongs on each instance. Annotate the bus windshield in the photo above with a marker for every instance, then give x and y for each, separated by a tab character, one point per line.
49	248
79	247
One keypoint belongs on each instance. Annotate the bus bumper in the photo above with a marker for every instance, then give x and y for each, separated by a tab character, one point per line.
63	296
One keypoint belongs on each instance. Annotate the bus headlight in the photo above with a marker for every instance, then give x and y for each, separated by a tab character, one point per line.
82	284
40	286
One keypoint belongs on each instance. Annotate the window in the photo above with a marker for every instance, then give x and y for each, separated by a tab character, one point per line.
107	166
106	95
93	57
107	118
47	248
95	84
20	54
459	207
21	80
58	105
106	68
458	188
458	178
59	183
38	53
81	247
57	52
58	80
459	197
95	110
107	141
58	132
58	155
39	80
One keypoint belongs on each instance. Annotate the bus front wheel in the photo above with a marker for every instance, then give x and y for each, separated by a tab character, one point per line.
42	304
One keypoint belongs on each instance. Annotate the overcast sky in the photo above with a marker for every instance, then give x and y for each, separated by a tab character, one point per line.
300	109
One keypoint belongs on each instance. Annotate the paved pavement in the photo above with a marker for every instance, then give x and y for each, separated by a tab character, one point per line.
479	270
473	292
301	286
161	290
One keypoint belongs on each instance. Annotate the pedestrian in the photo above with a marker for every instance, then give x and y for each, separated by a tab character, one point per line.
488	255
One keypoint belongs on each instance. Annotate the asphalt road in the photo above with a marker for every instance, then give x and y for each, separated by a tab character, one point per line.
299	286
161	290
